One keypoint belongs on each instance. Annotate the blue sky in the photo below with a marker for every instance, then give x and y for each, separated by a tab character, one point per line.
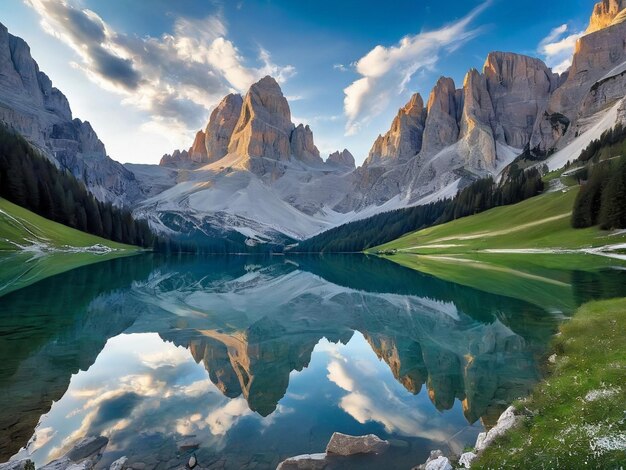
147	73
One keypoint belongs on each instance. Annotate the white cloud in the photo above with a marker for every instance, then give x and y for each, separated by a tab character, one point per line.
176	78
385	71
221	419
557	48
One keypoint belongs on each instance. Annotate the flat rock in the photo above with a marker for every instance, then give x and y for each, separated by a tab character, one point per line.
304	462
188	443
87	447
343	444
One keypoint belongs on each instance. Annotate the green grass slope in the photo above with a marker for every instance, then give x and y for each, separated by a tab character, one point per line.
542	222
462	251
575	418
32	248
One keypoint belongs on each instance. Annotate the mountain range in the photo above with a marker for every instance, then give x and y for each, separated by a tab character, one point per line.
253	179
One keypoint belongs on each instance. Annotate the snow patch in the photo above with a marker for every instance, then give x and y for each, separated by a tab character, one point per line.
602	121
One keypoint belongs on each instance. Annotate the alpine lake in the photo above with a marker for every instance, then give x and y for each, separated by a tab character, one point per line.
254	359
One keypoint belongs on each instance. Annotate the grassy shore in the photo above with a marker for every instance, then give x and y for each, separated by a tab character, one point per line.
33	248
576	418
539	223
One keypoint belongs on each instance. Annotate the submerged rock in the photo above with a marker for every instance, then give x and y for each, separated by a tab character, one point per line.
304	462
343	444
119	464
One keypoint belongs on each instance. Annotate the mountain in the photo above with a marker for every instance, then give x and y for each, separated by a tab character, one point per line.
32	107
254	180
260	182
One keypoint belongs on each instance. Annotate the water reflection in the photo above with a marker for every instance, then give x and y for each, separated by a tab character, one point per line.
291	350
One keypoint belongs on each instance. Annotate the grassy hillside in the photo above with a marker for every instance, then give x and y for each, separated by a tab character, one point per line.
530	244
542	222
32	247
577	414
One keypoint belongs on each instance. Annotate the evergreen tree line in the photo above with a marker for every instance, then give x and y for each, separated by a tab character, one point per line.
477	197
601	200
609	139
32	181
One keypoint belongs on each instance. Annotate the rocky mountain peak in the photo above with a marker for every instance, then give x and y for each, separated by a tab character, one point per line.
342	159
197	152
441	127
264	126
404	138
221	125
302	146
519	88
604	13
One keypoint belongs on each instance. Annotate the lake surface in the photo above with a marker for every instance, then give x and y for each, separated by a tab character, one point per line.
264	358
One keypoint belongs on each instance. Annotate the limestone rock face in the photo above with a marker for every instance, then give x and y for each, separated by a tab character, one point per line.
519	87
604	13
443	107
595	81
198	152
341	159
264	126
404	139
221	125
32	107
478	122
302	146
176	158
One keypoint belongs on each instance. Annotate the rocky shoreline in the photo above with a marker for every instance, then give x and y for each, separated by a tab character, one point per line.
86	454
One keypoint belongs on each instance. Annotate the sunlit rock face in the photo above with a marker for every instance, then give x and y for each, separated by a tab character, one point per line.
31	106
604	14
404	139
221	125
443	109
264	125
594	83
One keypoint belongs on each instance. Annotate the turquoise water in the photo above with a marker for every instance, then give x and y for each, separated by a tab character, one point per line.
264	358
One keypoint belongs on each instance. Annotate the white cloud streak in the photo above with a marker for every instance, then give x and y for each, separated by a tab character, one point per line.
557	48
385	71
176	78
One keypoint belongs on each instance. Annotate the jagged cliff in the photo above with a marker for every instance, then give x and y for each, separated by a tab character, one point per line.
475	130
31	106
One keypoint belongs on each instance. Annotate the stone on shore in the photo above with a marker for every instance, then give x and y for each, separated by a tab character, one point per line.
466	459
343	444
436	461
304	462
506	421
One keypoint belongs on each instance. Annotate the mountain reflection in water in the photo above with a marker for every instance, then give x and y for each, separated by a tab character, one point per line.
290	351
